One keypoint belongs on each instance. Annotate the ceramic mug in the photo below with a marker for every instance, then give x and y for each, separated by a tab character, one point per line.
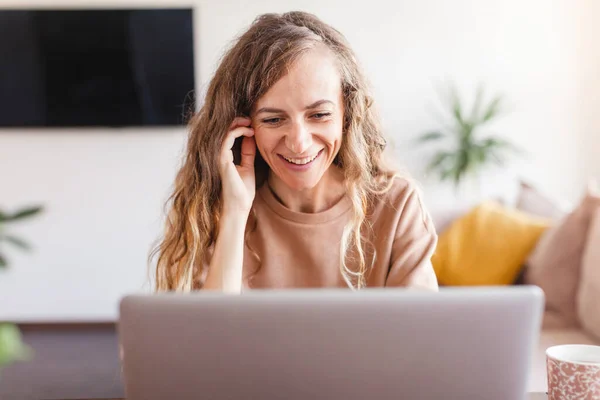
573	372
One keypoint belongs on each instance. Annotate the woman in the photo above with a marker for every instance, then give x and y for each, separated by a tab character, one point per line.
314	206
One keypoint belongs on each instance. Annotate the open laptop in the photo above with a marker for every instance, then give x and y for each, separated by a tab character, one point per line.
460	343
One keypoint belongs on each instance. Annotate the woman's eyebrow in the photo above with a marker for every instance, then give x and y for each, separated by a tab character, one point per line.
269	110
309	107
319	103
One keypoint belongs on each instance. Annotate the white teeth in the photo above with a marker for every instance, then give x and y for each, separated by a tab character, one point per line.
301	161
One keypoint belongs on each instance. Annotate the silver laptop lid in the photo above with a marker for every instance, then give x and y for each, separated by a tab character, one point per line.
460	343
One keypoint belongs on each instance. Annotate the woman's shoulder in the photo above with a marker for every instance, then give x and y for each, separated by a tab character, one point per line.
402	199
398	189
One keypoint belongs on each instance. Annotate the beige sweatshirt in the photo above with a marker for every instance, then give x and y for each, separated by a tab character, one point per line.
290	249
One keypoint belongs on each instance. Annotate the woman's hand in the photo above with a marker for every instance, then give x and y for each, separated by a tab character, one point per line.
238	181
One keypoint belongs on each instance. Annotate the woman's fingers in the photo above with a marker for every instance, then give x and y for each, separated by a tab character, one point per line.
234	134
248	152
239	127
240	121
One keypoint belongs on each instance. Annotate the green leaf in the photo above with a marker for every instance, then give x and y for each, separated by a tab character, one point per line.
21	214
492	110
446	174
3	262
453	169
458	174
453	102
16	241
463	161
439	160
12	347
495	142
498	158
466	131
482	155
457	111
501	145
471	163
431	136
477	105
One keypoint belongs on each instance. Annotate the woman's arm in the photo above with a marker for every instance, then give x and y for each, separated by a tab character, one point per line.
414	244
226	265
238	189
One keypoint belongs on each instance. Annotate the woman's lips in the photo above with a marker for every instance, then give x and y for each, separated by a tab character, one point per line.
300	164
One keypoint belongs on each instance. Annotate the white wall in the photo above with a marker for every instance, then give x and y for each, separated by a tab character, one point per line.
590	84
103	189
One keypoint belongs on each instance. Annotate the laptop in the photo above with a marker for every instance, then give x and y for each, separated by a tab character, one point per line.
459	343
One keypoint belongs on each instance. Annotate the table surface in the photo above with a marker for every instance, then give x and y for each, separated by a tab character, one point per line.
532	396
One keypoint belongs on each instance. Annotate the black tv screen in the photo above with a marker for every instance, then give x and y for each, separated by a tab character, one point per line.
96	67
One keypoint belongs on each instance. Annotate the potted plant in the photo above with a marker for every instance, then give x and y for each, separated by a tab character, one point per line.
12	347
465	147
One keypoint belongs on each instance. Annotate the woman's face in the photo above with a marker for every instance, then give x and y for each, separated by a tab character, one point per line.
298	123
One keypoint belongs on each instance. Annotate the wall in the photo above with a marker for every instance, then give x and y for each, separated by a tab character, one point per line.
590	84
103	189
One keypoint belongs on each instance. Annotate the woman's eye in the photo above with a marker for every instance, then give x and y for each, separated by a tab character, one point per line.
321	115
272	121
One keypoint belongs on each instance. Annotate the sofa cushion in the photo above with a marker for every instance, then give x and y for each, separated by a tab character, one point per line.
486	246
534	201
555	320
555	264
588	306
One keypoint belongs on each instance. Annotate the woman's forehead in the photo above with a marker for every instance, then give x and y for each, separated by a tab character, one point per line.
314	76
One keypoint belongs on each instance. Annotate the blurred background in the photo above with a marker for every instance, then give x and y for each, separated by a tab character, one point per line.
102	173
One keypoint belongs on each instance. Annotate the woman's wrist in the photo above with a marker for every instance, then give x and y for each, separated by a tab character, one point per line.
234	217
226	266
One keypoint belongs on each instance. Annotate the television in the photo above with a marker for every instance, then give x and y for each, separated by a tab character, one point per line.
96	67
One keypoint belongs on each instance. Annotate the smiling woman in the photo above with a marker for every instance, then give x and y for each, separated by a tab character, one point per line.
315	206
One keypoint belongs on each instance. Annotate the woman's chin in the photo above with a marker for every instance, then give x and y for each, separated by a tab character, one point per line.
300	184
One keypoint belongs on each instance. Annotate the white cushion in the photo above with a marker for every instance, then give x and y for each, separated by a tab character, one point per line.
534	201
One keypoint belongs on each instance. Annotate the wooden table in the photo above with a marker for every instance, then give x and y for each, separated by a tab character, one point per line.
532	396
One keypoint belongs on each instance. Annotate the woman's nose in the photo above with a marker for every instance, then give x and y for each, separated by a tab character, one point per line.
298	139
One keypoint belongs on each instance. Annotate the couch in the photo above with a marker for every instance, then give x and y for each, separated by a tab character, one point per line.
584	327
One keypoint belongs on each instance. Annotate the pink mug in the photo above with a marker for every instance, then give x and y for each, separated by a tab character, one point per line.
573	372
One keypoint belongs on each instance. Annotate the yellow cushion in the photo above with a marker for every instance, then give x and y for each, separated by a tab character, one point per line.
487	246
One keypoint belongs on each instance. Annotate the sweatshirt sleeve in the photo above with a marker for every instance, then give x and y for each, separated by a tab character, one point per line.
413	246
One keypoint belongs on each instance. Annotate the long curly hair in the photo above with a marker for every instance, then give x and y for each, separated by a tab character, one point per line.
252	65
